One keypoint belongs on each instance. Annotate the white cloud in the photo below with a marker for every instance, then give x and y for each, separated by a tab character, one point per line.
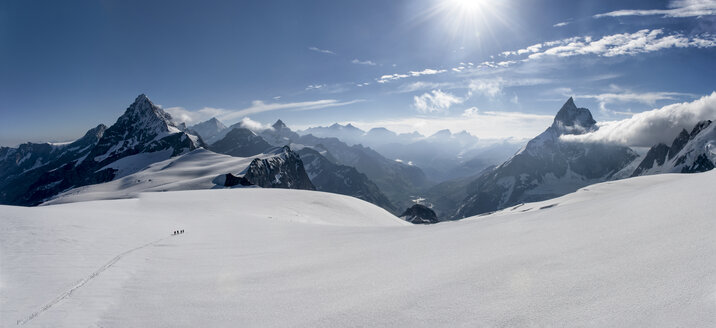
323	51
435	101
642	41
180	114
561	24
648	128
489	88
470	112
648	98
363	62
255	126
423	85
396	76
315	86
677	8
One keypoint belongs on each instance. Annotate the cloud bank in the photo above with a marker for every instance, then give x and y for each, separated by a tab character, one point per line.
648	128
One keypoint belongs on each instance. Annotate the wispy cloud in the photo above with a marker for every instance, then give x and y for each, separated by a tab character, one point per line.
561	24
189	117
323	51
315	86
645	129
643	41
677	8
397	76
425	85
363	62
493	87
649	98
436	101
489	88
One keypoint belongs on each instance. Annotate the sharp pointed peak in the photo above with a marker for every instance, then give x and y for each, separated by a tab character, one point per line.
278	125
570	116
569	105
142	98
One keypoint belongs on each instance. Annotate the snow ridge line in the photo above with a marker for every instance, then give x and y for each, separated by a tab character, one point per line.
83	281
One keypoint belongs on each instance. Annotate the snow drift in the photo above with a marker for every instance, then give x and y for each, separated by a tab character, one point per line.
613	254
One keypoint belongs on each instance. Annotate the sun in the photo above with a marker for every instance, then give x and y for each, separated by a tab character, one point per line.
469	6
469	19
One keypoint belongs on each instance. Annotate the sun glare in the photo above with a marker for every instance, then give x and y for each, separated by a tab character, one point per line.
469	19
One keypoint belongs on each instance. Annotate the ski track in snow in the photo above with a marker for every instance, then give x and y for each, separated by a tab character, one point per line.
84	281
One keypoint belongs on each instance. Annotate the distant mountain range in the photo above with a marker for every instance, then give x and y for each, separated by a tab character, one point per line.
442	156
144	150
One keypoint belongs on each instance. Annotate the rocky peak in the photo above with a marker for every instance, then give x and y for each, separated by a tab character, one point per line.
573	120
678	144
699	127
419	214
143	114
93	135
279	125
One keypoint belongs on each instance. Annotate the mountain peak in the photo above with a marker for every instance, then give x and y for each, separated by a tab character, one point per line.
141	98
278	125
572	119
143	114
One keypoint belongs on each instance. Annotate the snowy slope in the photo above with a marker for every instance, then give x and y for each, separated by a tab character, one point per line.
634	252
191	171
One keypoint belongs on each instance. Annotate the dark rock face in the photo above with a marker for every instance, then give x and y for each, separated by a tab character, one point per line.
284	170
689	153
701	164
341	179
656	154
419	214
678	144
143	128
547	167
230	180
240	142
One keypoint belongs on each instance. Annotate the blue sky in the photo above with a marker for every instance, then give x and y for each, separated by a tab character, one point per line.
495	68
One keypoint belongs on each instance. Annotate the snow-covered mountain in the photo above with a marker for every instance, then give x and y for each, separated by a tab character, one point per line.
240	142
197	170
323	171
209	130
547	166
398	181
342	179
346	133
688	153
610	255
142	135
442	156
